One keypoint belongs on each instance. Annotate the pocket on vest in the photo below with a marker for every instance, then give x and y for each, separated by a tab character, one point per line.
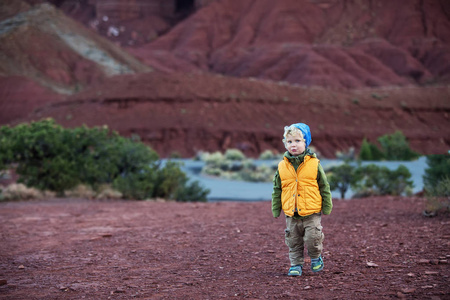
313	199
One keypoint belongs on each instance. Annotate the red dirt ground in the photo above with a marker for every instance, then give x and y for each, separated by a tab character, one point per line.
375	248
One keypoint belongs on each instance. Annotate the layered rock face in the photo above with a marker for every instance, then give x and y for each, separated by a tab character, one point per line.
234	73
337	44
328	43
128	22
45	56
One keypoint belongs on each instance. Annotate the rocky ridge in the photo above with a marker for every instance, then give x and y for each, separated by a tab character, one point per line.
337	44
227	85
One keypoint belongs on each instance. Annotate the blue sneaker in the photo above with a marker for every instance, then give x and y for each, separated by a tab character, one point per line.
317	264
295	270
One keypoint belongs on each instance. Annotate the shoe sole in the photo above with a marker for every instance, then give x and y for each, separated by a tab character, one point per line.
318	270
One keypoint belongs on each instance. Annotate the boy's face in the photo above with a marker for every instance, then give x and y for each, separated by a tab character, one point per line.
295	144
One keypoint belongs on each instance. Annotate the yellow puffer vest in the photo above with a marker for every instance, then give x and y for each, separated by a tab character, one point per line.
300	191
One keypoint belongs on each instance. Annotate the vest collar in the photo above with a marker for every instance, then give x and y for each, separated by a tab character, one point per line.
299	158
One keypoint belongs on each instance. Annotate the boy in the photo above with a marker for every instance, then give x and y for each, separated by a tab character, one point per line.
301	189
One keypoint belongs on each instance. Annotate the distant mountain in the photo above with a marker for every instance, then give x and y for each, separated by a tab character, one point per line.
328	43
338	44
231	74
57	55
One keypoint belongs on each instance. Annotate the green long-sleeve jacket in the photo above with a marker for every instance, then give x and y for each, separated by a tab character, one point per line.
324	186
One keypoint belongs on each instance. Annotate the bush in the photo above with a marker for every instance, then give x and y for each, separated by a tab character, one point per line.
270	155
370	151
212	170
234	154
191	192
393	147
396	147
341	178
168	180
215	159
235	166
20	192
138	185
50	157
375	180
107	192
438	169
261	173
112	156
438	198
41	151
437	184
6	149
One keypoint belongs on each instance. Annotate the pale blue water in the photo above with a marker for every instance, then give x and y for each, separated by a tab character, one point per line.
231	190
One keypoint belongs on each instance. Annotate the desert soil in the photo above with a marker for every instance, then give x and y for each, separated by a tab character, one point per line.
374	248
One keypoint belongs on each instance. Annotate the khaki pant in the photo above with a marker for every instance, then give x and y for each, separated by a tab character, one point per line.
301	232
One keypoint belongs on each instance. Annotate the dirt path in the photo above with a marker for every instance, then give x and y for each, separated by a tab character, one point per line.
377	248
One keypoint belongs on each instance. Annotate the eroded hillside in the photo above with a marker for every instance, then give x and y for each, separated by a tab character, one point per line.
337	44
45	55
234	73
183	114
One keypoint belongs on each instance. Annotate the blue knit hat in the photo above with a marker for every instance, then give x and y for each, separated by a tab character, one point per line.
306	132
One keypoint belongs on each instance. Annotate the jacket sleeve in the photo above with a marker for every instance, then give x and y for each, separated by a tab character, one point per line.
276	195
325	192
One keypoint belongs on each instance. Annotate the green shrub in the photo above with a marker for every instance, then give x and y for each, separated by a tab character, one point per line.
6	149
212	170
138	185
191	192
396	147
42	151
235	166
370	151
261	173
270	155
108	156
175	154
172	183
58	159
438	198
375	180
393	147
214	159
438	169
168	180
50	157
442	189
234	154
437	184
365	151
341	177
